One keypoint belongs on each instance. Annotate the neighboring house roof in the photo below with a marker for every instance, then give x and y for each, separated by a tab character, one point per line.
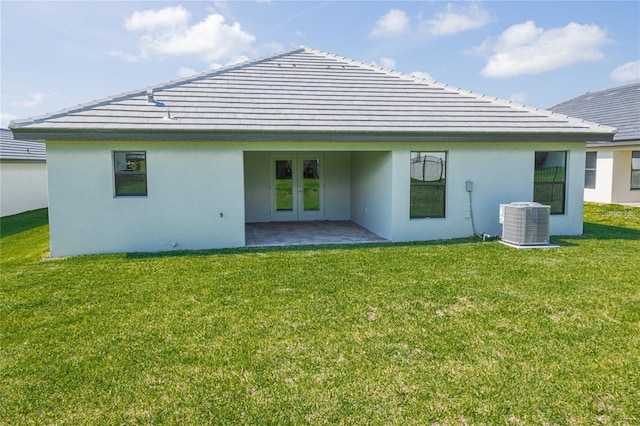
618	107
17	150
302	92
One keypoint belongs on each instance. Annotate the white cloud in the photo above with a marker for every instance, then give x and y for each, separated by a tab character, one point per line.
519	97
155	19
386	63
394	22
627	72
456	19
274	47
186	72
6	118
128	57
167	32
235	60
34	100
483	49
527	49
422	75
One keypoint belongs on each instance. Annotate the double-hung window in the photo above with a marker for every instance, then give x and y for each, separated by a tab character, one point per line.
550	179
590	170
130	169
635	170
428	184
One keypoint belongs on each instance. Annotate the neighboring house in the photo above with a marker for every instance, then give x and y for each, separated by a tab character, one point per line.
612	173
296	136
23	175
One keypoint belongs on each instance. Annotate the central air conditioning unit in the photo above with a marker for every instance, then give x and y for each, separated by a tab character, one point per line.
525	223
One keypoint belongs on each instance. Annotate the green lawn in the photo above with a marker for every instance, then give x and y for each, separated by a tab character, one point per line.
455	332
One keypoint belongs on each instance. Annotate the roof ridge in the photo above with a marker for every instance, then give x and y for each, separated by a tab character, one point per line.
623	86
222	70
359	63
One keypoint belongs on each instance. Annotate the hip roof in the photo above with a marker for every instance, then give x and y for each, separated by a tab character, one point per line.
12	149
617	107
306	91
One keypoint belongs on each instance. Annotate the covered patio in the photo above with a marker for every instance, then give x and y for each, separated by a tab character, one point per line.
308	233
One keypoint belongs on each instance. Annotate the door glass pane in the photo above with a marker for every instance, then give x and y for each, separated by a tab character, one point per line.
310	185
284	186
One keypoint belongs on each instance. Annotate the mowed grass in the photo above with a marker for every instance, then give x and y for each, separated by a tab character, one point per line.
454	332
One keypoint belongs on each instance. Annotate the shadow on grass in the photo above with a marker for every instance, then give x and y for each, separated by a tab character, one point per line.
21	222
300	248
596	231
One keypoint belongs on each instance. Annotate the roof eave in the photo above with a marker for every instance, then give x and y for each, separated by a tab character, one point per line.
44	135
606	143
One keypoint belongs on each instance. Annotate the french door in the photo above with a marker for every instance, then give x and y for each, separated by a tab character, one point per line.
296	187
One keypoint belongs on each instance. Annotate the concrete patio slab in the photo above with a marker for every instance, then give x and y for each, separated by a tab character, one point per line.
308	233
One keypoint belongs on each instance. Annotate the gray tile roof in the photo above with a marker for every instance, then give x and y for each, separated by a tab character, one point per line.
17	150
306	91
617	107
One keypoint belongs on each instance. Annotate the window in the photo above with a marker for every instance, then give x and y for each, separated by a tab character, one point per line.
590	170
428	184
635	170
549	179
130	173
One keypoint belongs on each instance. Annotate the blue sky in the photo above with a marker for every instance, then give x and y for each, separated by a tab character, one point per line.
57	54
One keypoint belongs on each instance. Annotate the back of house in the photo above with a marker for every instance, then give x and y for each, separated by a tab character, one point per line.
301	135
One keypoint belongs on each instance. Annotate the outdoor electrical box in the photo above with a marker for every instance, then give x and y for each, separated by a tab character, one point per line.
469	185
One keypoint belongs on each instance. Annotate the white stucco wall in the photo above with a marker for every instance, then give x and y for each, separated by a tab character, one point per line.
23	187
189	186
191	183
622	192
371	191
257	175
337	191
604	179
501	173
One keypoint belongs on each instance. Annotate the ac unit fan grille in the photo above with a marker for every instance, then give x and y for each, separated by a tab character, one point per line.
526	224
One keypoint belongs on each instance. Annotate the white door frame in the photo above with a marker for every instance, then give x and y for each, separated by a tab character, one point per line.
297	211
